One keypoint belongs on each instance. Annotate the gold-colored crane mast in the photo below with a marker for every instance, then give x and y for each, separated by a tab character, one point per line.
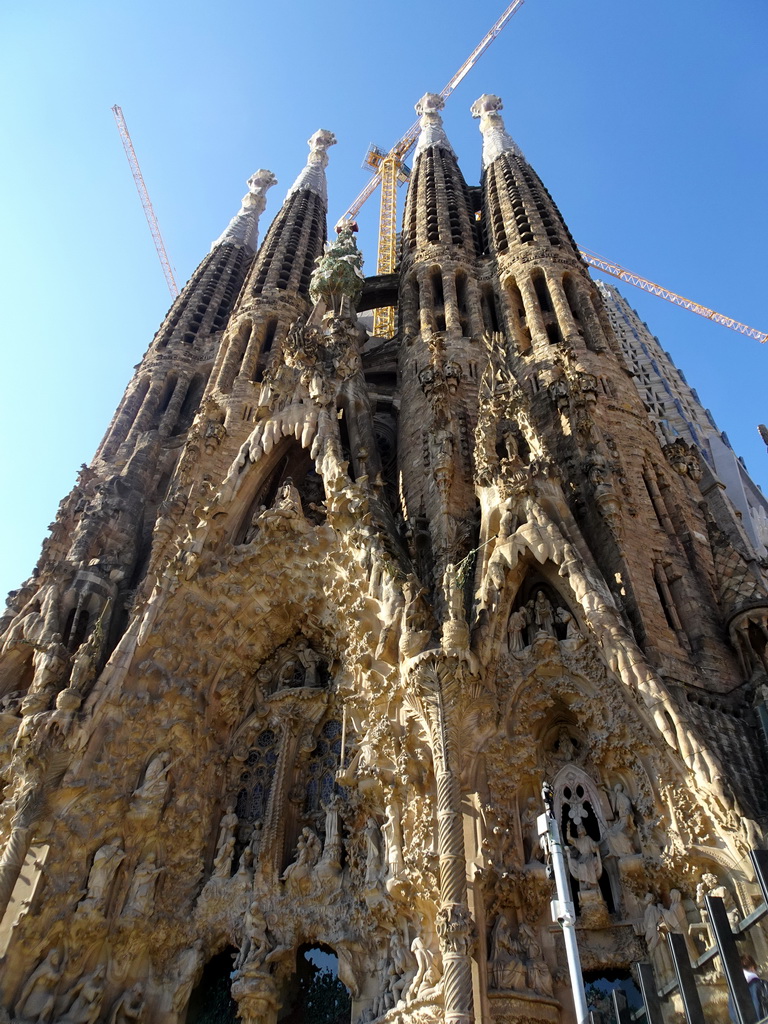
149	213
390	169
609	267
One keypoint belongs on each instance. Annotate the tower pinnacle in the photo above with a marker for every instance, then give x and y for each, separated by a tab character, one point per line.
432	131
243	229
312	177
496	139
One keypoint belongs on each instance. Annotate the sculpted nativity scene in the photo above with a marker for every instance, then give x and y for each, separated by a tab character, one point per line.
327	608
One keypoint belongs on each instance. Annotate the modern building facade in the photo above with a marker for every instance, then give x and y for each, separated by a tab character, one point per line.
327	609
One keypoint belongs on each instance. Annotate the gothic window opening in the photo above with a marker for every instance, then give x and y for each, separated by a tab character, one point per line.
76	628
170	387
542	293
266	347
256	778
322	765
581	832
189	405
461	299
490	311
211	1001
315	994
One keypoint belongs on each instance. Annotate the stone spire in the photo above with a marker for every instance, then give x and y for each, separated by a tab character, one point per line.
243	229
432	131
496	139
312	177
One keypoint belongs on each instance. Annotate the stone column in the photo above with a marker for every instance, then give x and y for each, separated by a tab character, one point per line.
562	310
454	922
171	414
532	311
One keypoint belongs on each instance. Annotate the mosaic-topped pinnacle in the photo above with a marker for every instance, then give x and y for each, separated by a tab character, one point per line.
243	229
496	140
432	132
312	178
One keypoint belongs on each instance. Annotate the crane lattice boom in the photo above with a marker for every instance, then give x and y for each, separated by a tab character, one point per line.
149	213
404	145
609	267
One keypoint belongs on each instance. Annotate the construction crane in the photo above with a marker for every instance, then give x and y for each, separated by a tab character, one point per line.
609	267
149	213
390	169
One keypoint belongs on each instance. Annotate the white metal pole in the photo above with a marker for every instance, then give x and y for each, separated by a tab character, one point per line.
562	908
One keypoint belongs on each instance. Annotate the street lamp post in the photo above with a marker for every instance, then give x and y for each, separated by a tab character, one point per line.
562	908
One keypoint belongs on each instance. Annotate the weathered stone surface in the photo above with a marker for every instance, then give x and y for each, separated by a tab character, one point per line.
326	610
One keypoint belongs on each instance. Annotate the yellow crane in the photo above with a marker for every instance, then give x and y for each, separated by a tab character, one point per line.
390	170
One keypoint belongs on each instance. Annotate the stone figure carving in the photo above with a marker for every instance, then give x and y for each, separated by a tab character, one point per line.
653	916
402	967
142	891
106	861
531	842
428	971
222	865
516	629
584	860
676	920
38	996
50	663
543	614
88	995
507	969
298	874
393	840
710	885
227	825
565	618
310	660
255	942
149	798
538	975
187	970
453	593
565	746
372	852
129	1008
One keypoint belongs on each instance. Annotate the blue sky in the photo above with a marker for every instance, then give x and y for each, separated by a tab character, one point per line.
646	121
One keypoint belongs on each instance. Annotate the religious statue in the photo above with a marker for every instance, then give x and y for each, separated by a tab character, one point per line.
310	660
227	825
106	861
538	974
255	943
402	967
531	842
149	798
142	891
50	662
129	1008
506	968
38	996
222	865
393	840
428	971
453	593
676	920
87	997
516	630
297	875
584	859
566	618
543	614
372	852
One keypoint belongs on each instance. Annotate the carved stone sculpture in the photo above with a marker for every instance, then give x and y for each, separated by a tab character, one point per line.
142	890
88	994
106	861
38	996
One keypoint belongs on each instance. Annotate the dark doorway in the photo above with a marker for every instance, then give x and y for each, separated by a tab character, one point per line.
315	994
211	1001
598	986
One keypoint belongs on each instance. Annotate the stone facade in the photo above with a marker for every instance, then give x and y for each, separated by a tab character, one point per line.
327	609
